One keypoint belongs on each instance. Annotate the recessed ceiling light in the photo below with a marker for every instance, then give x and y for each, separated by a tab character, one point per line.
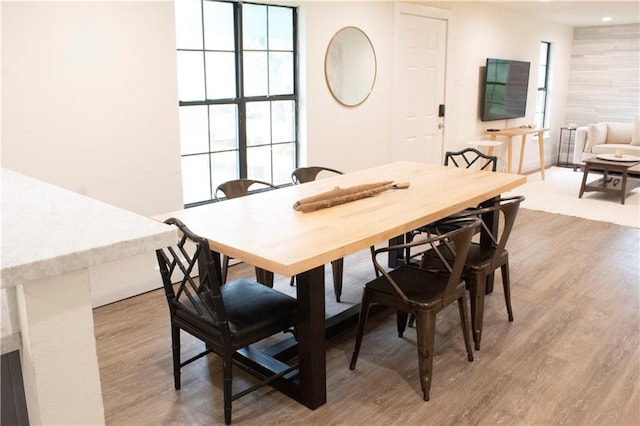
606	18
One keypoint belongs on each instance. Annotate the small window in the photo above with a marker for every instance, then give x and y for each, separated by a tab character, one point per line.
543	82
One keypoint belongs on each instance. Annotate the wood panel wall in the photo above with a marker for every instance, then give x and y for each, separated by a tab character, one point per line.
604	81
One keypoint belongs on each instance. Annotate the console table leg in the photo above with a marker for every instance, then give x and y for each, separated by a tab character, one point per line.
522	145
509	152
541	150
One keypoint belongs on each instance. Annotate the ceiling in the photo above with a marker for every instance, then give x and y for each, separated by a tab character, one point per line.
577	13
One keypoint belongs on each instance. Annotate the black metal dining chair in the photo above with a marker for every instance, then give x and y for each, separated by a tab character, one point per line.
422	292
484	259
470	157
309	174
225	317
466	158
239	188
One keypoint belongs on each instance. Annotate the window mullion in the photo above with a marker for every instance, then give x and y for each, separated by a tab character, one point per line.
242	111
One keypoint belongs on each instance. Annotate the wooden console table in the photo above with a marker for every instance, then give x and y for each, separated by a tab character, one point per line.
523	132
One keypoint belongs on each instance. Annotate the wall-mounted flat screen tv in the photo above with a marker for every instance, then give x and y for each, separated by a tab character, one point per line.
505	89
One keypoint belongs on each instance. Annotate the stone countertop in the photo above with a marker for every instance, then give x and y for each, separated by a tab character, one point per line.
49	231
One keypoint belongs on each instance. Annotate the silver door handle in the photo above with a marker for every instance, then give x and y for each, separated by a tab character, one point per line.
440	126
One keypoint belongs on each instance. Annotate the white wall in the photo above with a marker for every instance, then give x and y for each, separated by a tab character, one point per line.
89	103
352	138
605	74
347	138
478	31
89	98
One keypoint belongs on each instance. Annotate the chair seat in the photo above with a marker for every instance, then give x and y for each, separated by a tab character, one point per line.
482	257
253	311
251	306
421	287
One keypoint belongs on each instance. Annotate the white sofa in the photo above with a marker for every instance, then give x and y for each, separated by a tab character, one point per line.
607	138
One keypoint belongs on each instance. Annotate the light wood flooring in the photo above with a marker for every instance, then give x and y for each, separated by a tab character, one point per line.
571	357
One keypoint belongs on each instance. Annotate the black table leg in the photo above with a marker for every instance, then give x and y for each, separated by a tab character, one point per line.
395	257
311	338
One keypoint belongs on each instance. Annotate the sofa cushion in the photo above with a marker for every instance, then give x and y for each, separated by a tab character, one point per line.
619	132
635	137
596	135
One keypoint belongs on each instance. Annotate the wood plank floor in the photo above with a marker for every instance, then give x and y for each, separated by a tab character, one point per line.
571	357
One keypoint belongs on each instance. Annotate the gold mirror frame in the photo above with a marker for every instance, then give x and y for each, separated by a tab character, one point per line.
350	66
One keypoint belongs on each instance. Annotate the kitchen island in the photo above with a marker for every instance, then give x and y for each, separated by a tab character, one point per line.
50	239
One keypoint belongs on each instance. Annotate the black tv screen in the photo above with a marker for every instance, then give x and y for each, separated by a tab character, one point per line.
505	89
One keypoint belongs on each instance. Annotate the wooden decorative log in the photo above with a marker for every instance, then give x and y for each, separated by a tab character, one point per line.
339	195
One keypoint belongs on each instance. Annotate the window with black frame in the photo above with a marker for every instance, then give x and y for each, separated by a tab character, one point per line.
543	84
237	91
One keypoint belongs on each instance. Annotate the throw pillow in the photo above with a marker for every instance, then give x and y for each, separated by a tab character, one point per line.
619	133
596	135
635	136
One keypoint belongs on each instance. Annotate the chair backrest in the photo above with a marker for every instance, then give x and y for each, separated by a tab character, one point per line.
190	273
470	156
450	246
240	187
308	174
507	208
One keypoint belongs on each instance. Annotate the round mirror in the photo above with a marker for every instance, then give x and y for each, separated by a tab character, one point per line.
350	66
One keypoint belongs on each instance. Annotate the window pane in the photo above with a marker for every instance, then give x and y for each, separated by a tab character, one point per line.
254	24
544	47
280	28
259	163
224	167
219	29
541	100
188	24
255	74
542	75
221	75
193	130
195	179
280	73
258	123
211	148
190	76
282	121
224	124
283	163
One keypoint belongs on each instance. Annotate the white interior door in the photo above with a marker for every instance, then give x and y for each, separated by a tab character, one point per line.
420	43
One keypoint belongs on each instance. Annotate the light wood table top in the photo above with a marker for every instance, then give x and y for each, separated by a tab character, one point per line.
263	229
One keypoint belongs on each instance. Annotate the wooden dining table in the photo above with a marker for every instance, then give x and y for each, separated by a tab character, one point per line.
264	230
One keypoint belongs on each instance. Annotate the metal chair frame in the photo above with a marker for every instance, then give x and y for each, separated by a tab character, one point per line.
467	157
217	314
421	292
239	188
